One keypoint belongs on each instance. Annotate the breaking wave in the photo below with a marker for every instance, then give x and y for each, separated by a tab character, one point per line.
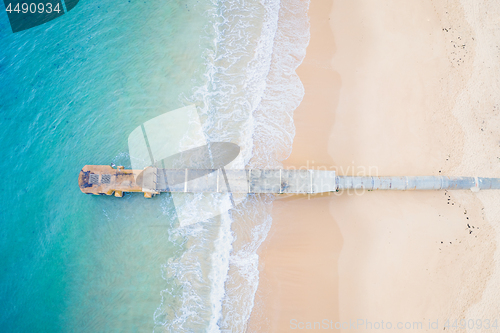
248	96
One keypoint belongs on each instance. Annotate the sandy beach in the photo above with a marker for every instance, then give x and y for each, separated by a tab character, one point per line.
391	88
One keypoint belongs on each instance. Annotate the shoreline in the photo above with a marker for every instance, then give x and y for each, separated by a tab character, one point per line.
382	89
292	255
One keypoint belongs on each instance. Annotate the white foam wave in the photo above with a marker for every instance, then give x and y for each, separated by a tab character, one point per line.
248	98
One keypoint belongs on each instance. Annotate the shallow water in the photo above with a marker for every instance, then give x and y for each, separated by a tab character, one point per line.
72	90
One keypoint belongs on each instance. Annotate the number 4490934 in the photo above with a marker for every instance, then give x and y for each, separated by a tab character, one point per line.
33	8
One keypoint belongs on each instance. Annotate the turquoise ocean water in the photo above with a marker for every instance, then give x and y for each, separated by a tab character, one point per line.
71	91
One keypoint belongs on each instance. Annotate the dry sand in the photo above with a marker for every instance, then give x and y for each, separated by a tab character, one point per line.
406	88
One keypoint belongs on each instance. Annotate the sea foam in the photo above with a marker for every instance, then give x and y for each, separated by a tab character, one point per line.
248	96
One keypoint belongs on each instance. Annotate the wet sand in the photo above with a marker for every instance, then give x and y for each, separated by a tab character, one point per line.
395	89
